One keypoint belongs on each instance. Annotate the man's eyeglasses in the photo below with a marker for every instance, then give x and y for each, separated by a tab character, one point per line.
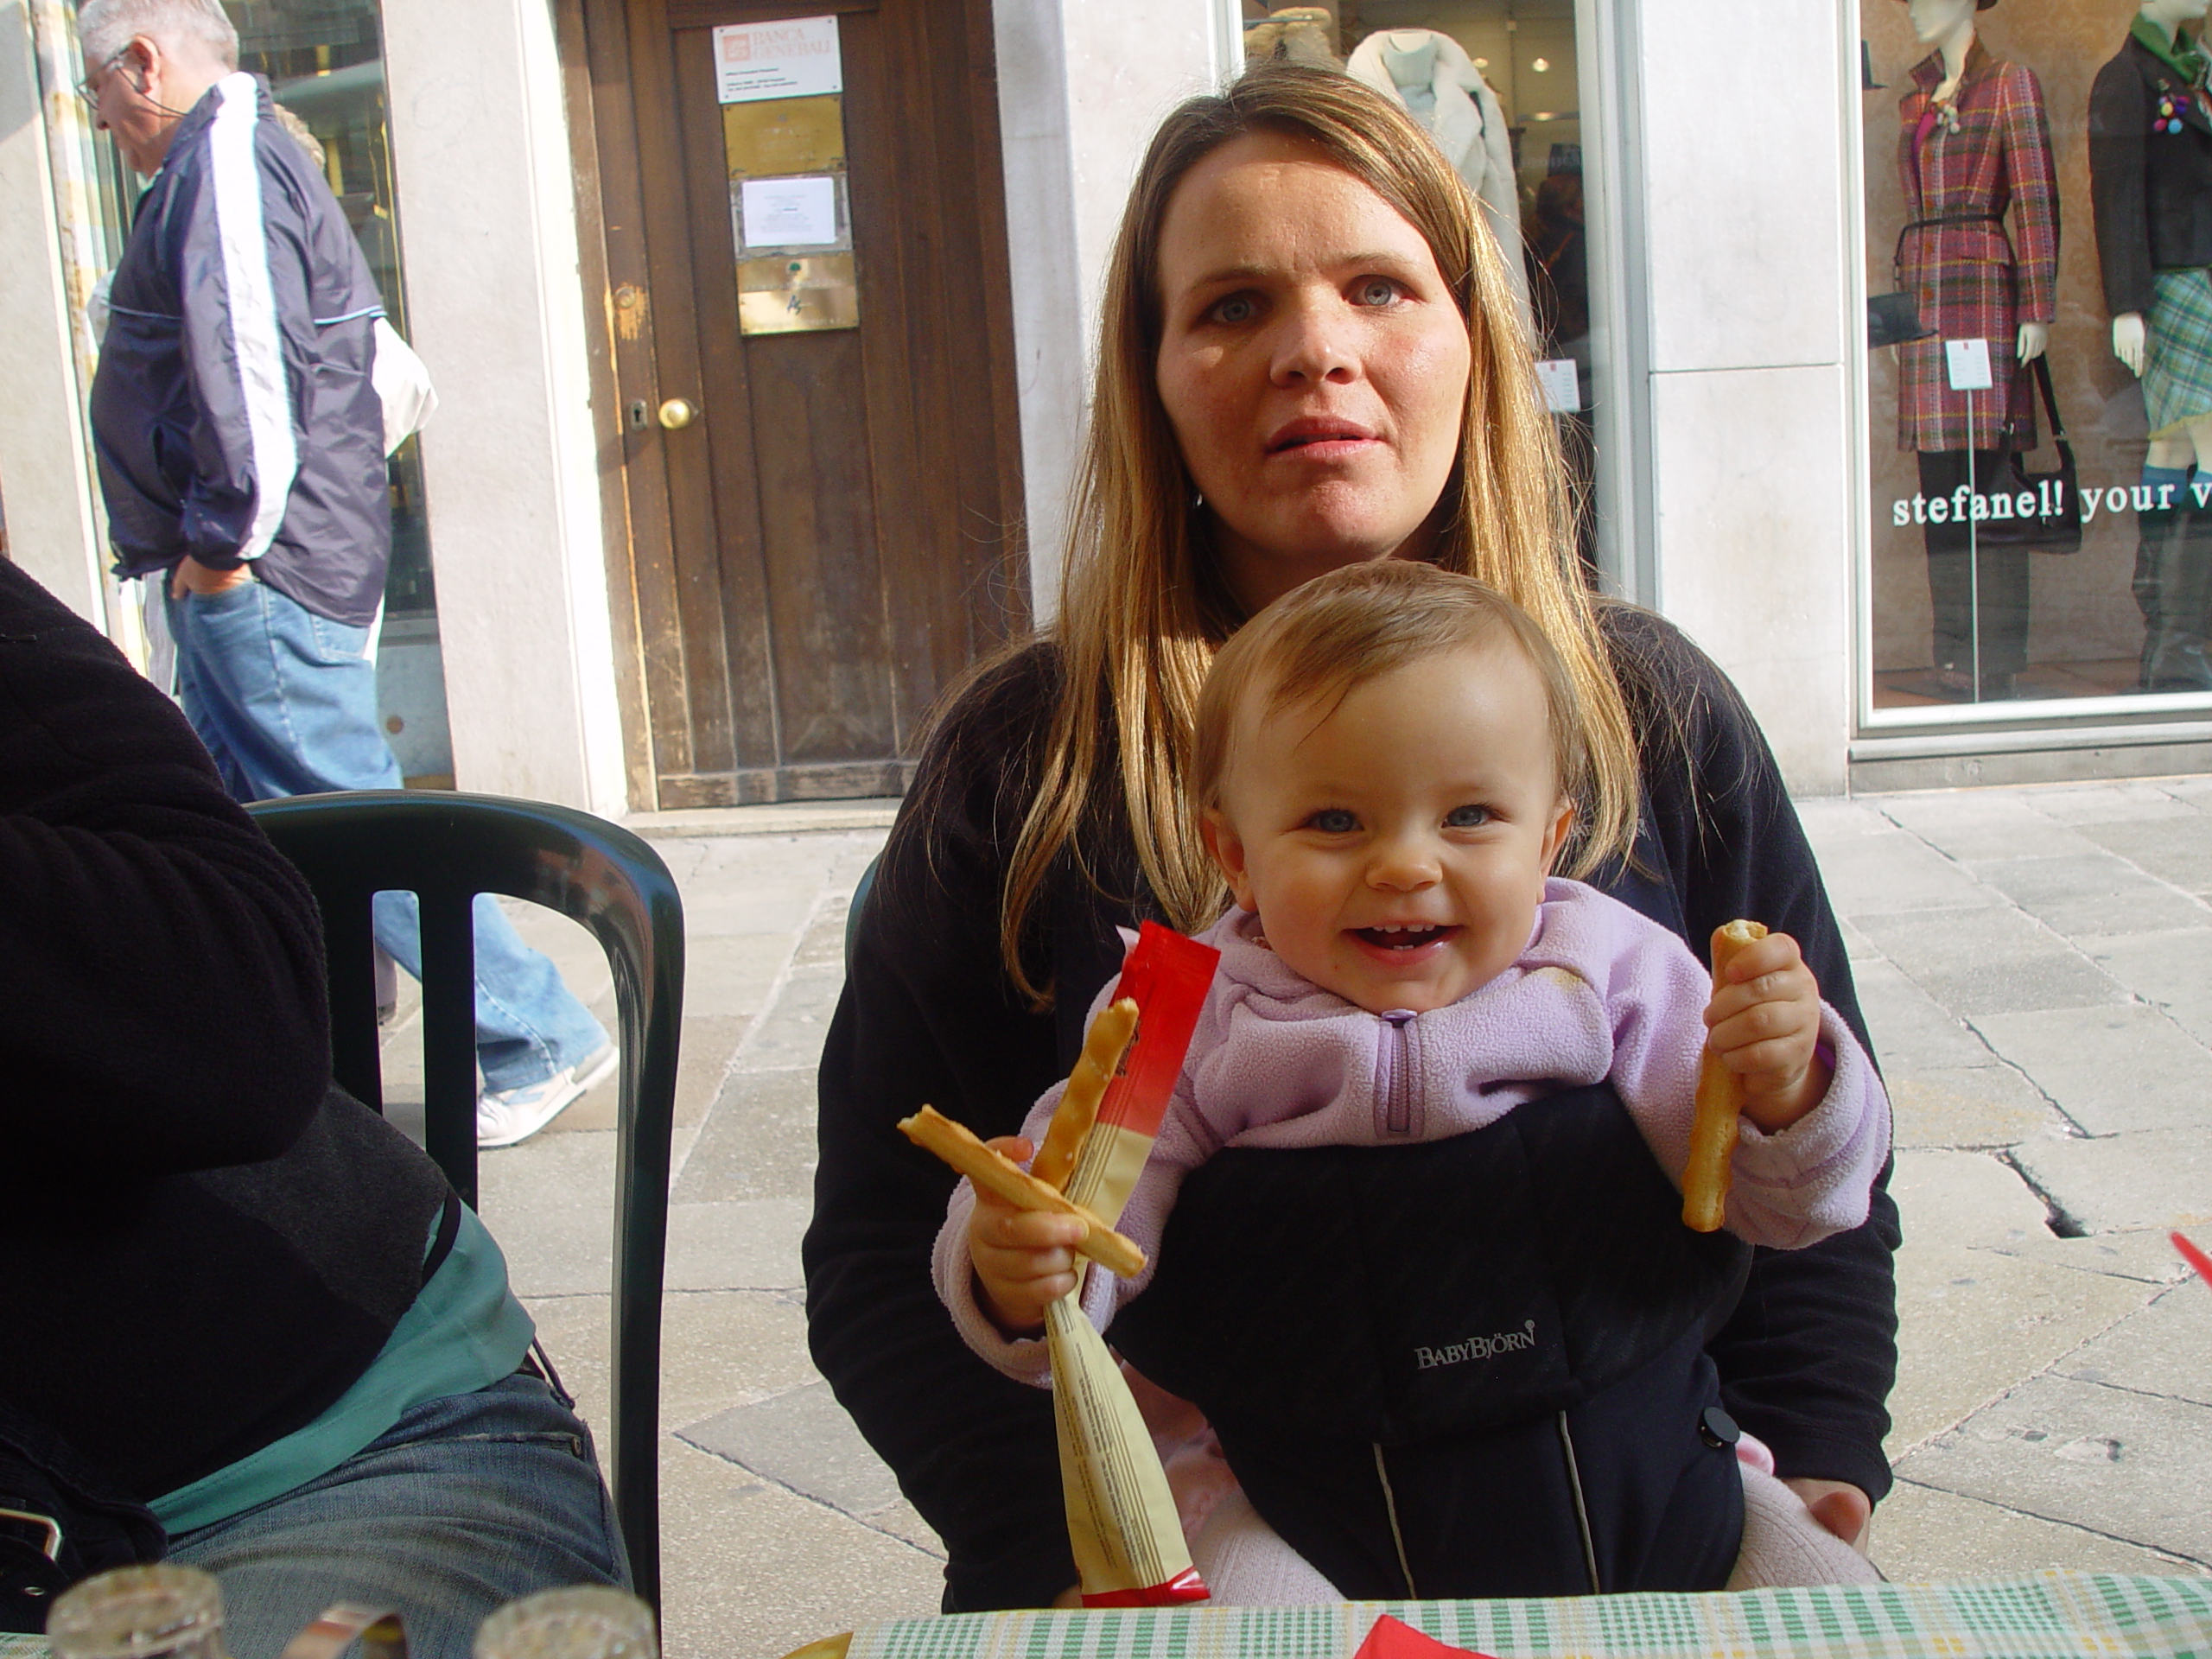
87	89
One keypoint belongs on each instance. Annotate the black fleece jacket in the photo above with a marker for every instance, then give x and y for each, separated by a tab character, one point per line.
203	1242
927	1016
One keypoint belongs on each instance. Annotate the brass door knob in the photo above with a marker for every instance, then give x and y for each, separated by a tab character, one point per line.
676	414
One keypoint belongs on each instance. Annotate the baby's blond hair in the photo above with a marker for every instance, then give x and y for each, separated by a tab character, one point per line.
1323	640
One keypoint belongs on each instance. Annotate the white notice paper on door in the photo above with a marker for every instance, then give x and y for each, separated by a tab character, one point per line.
793	57
791	212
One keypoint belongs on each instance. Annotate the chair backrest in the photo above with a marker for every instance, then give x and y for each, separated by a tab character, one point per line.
446	849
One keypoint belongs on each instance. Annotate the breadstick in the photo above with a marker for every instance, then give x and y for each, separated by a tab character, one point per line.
932	1131
1079	1107
1719	1104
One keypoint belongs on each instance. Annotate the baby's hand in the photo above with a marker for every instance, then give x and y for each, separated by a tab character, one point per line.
1024	1259
1765	1025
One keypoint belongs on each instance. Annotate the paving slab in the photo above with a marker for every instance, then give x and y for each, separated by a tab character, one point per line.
752	1570
803	1004
748	1246
2144	1257
1834	818
1972	825
1974	1324
1925	1535
2131	1466
1895	870
1988	961
2100	895
1965	1107
1911	1030
761	1143
805	1441
2157	1178
2171	970
719	1349
2173	849
2112	803
2164	1082
2165	1348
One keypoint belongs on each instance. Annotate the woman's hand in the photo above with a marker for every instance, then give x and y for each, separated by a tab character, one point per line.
1839	1506
1024	1260
1765	1025
2128	341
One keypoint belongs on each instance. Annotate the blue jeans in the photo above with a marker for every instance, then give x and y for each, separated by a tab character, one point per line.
468	1503
286	702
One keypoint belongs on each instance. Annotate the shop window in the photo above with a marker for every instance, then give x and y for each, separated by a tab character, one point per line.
2032	181
1499	83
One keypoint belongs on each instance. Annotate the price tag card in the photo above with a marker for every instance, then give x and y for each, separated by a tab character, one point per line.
1562	387
1969	362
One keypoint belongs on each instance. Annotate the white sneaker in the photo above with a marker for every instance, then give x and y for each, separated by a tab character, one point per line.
504	1116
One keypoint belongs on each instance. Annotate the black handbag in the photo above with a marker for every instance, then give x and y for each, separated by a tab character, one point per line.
2054	525
1893	319
59	1523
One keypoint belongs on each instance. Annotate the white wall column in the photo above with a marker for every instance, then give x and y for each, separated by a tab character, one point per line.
1745	226
488	232
1082	87
52	530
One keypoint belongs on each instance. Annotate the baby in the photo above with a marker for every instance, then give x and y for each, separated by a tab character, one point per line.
1494	1385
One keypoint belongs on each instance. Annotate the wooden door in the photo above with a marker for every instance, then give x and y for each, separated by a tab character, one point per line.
834	537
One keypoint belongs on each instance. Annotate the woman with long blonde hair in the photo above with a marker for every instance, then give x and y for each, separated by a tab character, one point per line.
1310	355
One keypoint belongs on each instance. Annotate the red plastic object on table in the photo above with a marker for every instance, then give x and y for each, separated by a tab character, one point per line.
1390	1638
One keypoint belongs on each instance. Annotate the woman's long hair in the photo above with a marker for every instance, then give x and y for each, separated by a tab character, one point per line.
1143	605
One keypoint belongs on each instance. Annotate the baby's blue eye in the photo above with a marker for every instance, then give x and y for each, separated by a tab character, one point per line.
1333	821
1467	818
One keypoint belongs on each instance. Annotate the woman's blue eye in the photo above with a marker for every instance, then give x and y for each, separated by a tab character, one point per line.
1467	818
1237	308
1377	290
1333	821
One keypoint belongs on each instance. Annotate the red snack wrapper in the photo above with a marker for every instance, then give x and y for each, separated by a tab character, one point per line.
1168	976
1123	1526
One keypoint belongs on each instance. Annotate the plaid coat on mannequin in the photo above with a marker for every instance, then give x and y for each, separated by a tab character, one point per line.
1971	283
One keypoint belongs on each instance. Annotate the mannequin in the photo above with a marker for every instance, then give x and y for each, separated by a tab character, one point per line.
2151	176
1433	76
1980	250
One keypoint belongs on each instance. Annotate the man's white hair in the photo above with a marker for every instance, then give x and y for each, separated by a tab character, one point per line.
106	27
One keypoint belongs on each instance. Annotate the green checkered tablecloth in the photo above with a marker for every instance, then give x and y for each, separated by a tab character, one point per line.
2051	1616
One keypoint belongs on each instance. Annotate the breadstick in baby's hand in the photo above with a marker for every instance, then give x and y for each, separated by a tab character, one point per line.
1719	1104
957	1144
1078	1107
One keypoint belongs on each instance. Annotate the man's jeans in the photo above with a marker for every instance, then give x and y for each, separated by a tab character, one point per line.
468	1503
286	702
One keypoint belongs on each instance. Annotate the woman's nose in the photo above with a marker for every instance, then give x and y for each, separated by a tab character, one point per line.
1312	346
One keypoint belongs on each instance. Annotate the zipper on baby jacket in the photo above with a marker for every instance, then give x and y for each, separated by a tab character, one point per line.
1397	1075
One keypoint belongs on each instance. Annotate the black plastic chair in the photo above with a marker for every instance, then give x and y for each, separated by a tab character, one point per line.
446	849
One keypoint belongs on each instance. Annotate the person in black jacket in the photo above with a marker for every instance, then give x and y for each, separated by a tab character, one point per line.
240	442
1280	401
2151	187
231	1291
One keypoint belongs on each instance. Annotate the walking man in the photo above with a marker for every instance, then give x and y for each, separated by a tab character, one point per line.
240	444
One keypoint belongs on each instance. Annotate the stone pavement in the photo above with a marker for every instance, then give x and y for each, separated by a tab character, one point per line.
2035	965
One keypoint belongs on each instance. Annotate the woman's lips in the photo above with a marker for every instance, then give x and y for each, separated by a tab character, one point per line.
1319	438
